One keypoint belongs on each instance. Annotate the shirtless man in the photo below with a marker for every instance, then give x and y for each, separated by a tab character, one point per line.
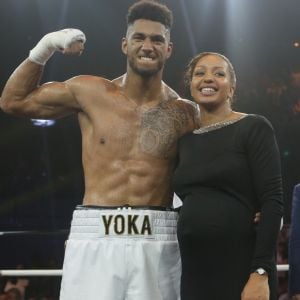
122	243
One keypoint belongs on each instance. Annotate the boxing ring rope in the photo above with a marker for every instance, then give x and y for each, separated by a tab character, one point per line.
58	272
31	272
24	273
283	268
33	232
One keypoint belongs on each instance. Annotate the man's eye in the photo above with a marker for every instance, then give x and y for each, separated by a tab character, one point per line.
137	37
158	40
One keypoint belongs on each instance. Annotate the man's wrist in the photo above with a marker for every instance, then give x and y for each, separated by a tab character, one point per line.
42	51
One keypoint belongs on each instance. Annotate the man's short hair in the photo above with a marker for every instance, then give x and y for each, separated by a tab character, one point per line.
150	10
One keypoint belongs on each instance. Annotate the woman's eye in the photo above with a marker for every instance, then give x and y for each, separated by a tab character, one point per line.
199	73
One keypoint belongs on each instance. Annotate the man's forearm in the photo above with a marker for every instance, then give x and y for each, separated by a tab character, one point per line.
20	84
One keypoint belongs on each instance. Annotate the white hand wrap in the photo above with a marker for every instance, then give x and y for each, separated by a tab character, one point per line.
54	41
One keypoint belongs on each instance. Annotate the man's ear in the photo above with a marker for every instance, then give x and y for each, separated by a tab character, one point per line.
124	45
170	49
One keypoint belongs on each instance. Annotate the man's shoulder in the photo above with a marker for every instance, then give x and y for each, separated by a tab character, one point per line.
187	110
172	95
169	92
186	104
89	81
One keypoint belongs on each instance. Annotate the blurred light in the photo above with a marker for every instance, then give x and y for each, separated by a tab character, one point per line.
42	123
286	153
296	44
296	107
188	27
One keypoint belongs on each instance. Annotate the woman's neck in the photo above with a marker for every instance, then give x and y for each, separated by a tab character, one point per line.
212	116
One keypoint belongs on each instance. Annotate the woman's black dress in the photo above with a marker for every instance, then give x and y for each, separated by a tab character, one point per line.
225	174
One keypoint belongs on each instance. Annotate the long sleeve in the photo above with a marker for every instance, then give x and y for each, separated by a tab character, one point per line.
264	162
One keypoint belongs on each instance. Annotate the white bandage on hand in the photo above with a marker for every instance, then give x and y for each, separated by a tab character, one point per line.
55	41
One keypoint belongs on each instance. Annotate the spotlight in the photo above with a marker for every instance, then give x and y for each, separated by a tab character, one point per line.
42	123
296	44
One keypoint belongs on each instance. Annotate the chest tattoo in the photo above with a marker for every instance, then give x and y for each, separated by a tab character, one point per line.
161	127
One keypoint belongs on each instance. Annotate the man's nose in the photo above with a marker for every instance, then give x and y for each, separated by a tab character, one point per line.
147	44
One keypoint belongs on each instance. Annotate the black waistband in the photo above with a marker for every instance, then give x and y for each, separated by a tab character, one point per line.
137	207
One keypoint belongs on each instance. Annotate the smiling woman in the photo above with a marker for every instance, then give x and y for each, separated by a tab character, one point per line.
228	170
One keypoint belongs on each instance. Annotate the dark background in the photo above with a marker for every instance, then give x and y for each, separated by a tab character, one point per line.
40	167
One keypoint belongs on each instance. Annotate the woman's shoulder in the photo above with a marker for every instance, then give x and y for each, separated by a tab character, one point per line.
254	126
257	120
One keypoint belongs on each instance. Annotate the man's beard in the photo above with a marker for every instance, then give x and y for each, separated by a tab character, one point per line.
145	72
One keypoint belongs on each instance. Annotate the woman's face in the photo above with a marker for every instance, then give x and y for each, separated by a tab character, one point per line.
211	84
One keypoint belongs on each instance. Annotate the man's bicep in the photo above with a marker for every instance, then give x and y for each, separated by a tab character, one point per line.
50	100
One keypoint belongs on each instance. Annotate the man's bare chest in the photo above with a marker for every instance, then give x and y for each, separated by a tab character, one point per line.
153	131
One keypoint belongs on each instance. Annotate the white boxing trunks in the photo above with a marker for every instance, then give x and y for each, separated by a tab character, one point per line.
126	253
